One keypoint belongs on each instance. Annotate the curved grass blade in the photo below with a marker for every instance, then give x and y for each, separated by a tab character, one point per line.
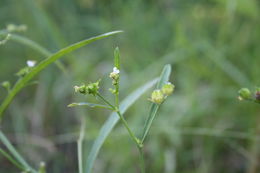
111	122
43	64
93	105
36	47
15	154
33	45
164	78
8	157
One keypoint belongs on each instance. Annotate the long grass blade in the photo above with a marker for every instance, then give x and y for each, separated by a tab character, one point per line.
43	64
164	78
13	151
37	47
8	157
112	121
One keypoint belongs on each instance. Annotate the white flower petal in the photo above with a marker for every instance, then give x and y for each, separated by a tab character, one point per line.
31	63
115	70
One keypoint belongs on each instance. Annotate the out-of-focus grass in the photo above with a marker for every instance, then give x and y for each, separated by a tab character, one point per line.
213	47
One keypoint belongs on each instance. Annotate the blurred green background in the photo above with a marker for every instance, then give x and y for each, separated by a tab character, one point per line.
213	47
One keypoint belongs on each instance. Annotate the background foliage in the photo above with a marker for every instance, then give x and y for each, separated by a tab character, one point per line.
213	47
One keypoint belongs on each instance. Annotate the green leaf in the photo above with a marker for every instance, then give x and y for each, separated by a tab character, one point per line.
80	146
8	157
93	105
37	47
164	78
13	151
117	58
112	121
43	64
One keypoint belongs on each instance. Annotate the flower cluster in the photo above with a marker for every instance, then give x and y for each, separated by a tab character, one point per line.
91	88
114	75
158	96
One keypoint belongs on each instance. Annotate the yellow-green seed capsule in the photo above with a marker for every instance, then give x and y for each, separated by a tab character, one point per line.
168	89
244	93
157	97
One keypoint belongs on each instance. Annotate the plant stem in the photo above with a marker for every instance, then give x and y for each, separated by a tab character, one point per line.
80	146
107	102
142	162
127	127
134	138
138	143
117	95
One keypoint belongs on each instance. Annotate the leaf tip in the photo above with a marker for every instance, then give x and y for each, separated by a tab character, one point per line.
72	105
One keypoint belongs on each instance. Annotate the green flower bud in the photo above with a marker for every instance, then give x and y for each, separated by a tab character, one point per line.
93	88
6	84
80	89
157	97
244	93
113	91
168	89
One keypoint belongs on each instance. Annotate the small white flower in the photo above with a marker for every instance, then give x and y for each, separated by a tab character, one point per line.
31	63
115	71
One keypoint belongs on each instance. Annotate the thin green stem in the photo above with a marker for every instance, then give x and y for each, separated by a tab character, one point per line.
138	143
107	102
134	138
117	95
80	146
142	161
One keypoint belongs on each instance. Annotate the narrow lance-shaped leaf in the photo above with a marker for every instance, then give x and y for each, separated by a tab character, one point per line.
164	78
93	105
112	121
43	64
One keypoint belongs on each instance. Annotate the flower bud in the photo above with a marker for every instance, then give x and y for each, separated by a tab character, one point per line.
6	84
157	97
80	89
92	88
244	93
115	76
168	89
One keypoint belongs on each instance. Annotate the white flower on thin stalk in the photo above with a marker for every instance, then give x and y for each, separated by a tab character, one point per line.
31	63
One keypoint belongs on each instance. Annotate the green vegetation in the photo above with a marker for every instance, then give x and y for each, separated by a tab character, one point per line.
212	47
